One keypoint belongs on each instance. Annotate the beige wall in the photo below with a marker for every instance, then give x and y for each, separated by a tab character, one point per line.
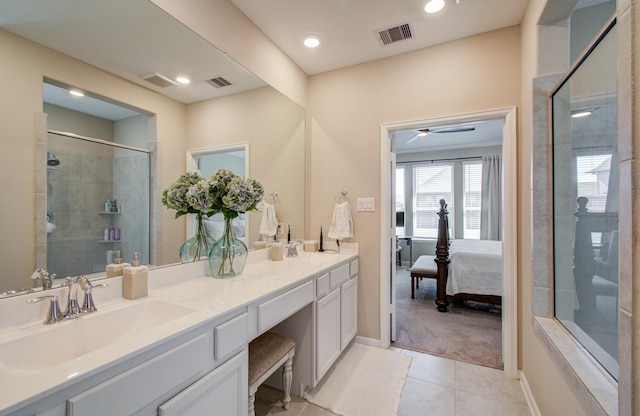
347	106
274	127
24	64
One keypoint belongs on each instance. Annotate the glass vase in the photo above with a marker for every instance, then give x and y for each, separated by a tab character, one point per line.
198	246
228	254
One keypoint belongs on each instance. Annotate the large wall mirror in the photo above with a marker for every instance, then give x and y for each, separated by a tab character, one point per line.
110	49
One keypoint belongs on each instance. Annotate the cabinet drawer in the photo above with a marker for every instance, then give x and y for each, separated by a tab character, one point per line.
353	268
223	391
230	336
130	391
322	285
277	309
339	275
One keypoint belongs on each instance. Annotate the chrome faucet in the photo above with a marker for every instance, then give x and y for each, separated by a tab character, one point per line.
45	278
54	314
72	298
291	251
88	305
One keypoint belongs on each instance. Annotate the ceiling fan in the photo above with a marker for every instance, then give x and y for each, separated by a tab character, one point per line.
452	129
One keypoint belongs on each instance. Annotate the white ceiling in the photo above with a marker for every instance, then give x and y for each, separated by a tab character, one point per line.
132	38
348	28
129	38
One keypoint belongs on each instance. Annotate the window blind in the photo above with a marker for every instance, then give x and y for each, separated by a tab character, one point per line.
431	184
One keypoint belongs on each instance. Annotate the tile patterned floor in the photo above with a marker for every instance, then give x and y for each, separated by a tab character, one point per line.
434	386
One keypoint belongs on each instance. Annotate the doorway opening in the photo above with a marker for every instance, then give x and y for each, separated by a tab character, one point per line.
207	162
415	222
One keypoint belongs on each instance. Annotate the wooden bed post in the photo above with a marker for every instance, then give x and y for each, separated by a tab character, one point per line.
583	264
442	257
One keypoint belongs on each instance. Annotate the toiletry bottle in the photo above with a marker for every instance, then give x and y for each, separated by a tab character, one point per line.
277	251
107	206
117	267
134	279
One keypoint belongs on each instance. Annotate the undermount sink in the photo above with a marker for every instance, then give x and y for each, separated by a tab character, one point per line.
52	345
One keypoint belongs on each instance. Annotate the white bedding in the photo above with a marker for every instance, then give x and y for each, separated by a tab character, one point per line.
476	267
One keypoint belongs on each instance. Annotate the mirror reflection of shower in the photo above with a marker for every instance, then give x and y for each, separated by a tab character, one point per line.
99	198
52	160
97	183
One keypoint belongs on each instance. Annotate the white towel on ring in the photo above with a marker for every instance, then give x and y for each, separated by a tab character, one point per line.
269	222
341	224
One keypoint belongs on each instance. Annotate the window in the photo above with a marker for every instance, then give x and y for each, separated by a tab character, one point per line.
431	183
472	198
400	201
592	173
457	182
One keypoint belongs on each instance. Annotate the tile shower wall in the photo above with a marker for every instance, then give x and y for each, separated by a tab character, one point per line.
131	189
76	192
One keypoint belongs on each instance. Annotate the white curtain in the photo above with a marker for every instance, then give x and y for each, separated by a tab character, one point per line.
491	204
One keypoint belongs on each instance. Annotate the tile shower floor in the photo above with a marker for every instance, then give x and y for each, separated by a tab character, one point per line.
434	386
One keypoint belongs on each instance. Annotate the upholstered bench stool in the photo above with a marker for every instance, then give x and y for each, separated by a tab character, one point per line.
425	267
266	354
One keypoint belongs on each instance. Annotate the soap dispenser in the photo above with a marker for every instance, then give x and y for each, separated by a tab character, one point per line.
117	267
134	280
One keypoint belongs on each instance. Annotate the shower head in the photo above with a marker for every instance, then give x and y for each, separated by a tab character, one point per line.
52	160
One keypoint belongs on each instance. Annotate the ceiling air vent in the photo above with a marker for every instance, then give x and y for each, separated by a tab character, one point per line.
394	34
219	82
158	80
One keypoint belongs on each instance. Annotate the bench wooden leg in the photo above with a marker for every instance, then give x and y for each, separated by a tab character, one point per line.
252	405
287	375
412	289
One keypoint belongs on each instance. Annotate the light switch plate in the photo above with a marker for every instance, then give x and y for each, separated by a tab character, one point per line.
366	204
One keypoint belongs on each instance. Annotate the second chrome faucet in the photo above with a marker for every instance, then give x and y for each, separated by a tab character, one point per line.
73	309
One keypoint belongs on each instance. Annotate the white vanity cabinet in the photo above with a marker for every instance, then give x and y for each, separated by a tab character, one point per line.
199	364
336	315
137	390
205	368
224	391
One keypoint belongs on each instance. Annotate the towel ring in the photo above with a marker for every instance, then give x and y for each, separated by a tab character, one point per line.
271	198
341	196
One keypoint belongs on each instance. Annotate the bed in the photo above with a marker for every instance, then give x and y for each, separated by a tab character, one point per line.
466	269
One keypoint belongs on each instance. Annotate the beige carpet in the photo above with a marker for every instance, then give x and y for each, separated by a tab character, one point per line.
471	333
365	381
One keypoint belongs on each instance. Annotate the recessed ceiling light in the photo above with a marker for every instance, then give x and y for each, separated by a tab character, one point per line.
311	42
581	114
77	93
183	80
434	6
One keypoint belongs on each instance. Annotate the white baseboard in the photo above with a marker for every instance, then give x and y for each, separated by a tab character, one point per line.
531	401
368	341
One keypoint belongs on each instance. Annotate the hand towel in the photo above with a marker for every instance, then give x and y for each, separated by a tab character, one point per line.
342	224
269	222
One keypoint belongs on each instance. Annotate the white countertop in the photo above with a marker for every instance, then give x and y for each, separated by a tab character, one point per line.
185	285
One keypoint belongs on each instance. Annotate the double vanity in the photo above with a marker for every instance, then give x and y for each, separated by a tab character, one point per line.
183	348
